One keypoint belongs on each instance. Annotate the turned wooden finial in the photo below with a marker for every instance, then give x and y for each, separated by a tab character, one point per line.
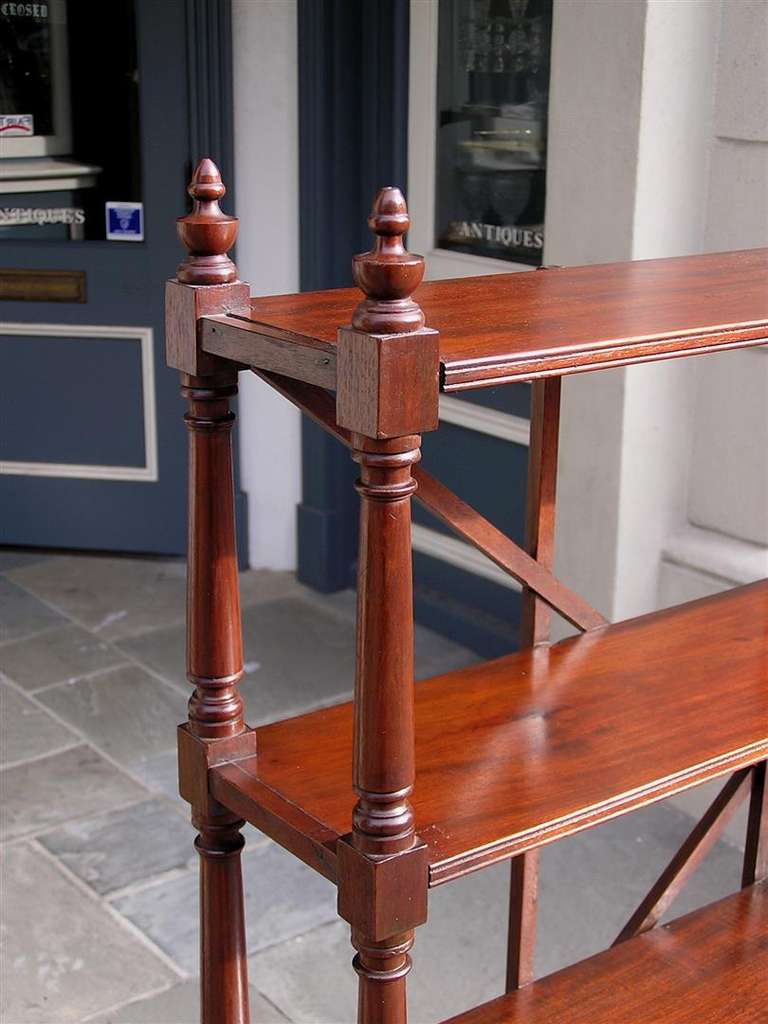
206	232
389	274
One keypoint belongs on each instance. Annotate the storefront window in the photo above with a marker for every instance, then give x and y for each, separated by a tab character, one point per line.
69	122
26	87
493	90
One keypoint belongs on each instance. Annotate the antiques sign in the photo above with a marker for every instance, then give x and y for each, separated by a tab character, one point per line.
14	216
504	236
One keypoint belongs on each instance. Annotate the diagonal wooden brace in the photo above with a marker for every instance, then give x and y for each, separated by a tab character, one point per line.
687	859
473	527
462	518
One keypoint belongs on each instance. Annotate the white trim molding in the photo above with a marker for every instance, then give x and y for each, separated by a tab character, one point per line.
716	554
503	425
46	174
266	111
148	473
459	554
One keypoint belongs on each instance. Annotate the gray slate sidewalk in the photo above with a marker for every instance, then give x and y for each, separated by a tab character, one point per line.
99	874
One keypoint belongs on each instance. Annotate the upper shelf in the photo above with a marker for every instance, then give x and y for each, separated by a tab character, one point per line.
520	326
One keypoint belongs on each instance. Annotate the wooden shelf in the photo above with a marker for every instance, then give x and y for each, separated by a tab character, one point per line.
517	752
711	965
512	327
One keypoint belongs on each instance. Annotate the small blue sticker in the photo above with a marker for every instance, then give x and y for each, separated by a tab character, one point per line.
125	222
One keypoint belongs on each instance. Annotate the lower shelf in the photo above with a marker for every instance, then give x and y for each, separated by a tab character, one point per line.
710	966
521	751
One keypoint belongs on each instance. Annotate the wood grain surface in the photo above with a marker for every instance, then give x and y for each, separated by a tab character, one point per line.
517	752
523	326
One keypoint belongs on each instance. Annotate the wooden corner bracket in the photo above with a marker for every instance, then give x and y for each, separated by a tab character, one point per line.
387	384
197	756
382	896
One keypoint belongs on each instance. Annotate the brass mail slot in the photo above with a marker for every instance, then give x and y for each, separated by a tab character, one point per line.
42	285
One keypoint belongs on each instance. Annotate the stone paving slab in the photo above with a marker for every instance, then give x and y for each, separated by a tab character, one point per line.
181	1005
56	656
296	657
433	653
283	898
160	774
26	731
121	597
66	955
13	558
260	585
125	712
22	614
38	795
114	597
122	848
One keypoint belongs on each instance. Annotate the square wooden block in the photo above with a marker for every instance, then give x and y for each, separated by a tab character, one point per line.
185	304
387	385
381	897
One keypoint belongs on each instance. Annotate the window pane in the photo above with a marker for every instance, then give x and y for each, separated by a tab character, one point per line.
70	143
26	97
493	91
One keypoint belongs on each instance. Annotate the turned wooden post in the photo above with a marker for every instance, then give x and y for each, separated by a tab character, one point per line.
387	394
207	282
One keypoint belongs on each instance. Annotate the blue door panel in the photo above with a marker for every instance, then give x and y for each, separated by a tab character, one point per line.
486	472
514	399
77	376
467	608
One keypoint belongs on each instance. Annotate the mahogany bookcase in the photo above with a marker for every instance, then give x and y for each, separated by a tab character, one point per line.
410	786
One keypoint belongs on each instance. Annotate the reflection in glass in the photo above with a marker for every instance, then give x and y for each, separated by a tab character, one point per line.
70	137
493	87
25	70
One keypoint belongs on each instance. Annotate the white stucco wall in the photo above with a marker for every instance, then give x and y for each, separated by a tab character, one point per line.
591	166
671	191
267	179
725	538
635	173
